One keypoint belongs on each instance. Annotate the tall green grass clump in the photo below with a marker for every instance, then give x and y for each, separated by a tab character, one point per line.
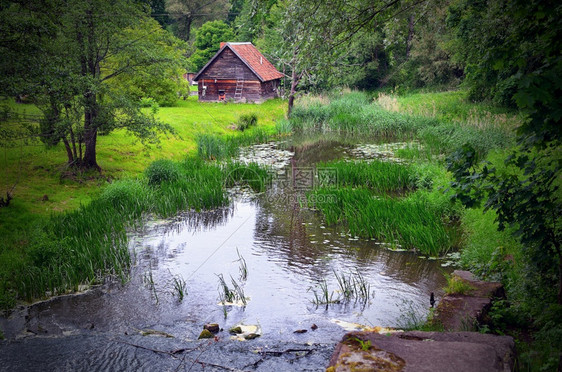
252	175
162	171
354	113
214	147
379	176
413	222
246	121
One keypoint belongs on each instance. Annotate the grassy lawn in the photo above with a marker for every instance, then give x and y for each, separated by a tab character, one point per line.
39	171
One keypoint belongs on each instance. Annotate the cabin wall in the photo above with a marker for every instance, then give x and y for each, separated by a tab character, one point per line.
252	90
269	89
228	66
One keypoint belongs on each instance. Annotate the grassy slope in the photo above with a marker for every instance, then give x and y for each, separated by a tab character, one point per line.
37	169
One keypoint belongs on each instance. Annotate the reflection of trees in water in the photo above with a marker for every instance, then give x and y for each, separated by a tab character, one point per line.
199	221
283	230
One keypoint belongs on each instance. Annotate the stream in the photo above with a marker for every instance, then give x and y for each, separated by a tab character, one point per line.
271	247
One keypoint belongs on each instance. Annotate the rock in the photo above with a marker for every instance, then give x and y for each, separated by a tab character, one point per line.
251	336
458	312
235	330
205	334
314	327
423	351
300	331
212	327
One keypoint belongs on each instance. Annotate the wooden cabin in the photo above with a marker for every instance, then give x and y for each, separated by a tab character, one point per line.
238	72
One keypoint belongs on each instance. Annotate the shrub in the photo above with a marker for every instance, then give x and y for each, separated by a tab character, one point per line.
162	171
246	121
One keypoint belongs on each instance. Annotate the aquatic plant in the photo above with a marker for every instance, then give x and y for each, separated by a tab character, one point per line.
252	175
179	287
351	287
215	147
379	176
148	279
414	222
322	295
225	293
243	266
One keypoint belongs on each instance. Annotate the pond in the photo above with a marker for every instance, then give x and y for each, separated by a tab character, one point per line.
272	250
284	248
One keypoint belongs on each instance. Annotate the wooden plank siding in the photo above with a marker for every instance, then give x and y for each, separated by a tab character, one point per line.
228	66
225	72
251	91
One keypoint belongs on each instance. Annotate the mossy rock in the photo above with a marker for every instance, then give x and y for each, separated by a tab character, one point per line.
235	330
205	334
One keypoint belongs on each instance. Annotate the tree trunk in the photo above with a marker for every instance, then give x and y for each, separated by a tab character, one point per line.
410	35
559	279
90	132
294	83
68	151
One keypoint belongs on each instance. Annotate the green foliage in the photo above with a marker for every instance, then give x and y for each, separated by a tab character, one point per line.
212	147
246	121
414	223
88	69
162	171
379	176
455	285
207	42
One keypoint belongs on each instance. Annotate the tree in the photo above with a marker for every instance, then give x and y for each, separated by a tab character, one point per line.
526	55
68	71
207	42
190	13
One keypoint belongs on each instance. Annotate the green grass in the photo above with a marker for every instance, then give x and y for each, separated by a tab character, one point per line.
413	222
379	176
456	285
39	171
448	125
215	147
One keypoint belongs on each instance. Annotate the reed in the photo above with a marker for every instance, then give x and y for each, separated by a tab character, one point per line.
179	287
214	147
243	268
379	176
351	287
414	222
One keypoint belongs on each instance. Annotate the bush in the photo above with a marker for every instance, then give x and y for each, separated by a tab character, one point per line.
246	121
162	171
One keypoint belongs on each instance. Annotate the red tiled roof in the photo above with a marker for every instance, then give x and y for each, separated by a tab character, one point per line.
255	61
252	57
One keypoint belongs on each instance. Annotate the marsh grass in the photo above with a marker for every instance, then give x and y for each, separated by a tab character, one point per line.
352	287
230	295
148	280
442	128
414	222
379	176
179	287
243	268
216	147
